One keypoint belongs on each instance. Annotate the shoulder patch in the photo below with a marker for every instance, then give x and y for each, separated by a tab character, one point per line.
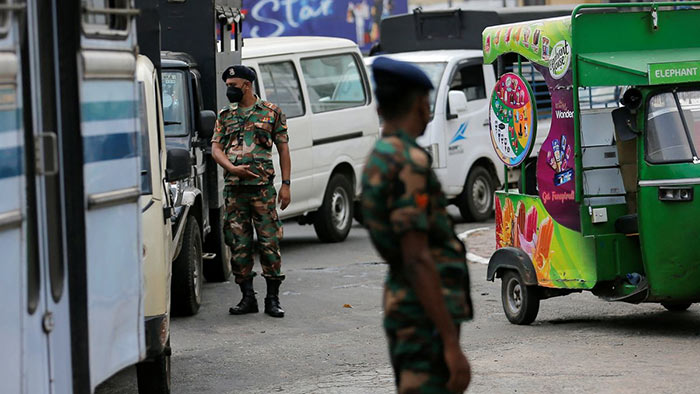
271	106
225	109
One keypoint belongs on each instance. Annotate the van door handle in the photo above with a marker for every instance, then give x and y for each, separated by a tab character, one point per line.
486	123
10	220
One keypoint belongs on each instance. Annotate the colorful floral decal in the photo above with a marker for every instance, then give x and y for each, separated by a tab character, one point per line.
557	253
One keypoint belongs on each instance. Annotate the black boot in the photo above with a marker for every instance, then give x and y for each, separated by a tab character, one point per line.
272	301
248	303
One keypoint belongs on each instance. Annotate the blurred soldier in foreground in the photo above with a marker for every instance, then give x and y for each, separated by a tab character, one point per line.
426	293
242	145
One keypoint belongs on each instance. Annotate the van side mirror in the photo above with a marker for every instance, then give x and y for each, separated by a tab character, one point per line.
457	101
178	165
206	123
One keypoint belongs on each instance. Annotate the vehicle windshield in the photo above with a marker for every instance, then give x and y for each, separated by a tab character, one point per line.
434	71
673	127
175	111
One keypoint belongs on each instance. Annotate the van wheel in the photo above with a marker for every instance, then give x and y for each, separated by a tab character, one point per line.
677	307
520	301
476	201
217	269
153	376
334	218
186	285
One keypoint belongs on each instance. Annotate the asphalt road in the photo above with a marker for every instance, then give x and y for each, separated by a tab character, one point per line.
331	339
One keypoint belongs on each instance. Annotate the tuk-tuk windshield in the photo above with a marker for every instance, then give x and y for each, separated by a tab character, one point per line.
673	127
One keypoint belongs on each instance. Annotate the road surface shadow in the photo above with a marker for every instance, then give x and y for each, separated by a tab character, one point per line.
651	323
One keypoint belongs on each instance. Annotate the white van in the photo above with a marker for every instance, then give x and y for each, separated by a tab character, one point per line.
322	87
458	136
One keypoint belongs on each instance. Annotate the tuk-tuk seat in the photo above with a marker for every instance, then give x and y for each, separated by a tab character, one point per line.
627	224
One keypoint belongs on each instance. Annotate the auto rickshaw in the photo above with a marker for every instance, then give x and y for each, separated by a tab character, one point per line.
608	203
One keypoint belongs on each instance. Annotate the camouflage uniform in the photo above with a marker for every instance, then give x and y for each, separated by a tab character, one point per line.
401	193
247	140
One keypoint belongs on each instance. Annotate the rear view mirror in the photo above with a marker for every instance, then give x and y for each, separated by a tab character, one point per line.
457	102
625	124
178	166
206	123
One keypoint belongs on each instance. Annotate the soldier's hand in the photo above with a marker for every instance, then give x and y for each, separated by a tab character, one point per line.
244	172
284	197
460	371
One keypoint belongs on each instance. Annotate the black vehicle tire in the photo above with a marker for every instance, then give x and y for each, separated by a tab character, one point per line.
520	302
186	285
217	269
153	376
676	307
334	219
475	203
357	213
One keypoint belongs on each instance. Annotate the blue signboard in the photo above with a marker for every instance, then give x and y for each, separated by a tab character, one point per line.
357	20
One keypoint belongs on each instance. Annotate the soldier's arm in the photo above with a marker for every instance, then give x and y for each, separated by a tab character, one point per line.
219	156
420	270
217	152
286	167
281	138
409	218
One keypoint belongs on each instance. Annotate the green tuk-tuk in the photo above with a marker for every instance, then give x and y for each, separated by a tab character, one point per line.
608	203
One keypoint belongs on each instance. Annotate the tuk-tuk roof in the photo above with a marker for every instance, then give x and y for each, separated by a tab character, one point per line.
637	67
510	38
625	48
610	44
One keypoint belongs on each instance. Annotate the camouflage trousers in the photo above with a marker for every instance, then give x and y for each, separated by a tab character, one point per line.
418	359
249	207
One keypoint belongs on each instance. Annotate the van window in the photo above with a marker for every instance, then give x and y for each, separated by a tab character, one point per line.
175	109
334	82
106	17
470	80
433	70
282	87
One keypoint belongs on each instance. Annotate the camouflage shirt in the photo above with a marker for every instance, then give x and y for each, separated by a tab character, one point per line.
248	139
401	193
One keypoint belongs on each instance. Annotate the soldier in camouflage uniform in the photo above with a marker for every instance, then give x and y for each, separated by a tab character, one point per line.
242	144
426	293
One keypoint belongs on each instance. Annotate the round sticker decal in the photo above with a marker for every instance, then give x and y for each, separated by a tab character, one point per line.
512	119
560	59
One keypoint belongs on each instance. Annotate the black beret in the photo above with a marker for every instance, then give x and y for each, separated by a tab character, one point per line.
387	69
238	71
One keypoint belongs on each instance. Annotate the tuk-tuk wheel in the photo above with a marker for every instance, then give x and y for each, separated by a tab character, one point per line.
677	307
520	301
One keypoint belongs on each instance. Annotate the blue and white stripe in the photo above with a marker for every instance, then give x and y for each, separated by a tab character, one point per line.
110	135
11	159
